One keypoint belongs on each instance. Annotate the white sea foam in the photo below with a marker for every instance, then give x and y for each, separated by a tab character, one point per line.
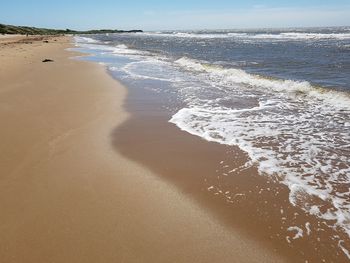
85	40
121	49
122	46
345	251
150	69
288	145
124	50
187	35
292	35
297	36
298	230
297	133
308	229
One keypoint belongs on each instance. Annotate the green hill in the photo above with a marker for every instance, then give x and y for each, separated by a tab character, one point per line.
24	30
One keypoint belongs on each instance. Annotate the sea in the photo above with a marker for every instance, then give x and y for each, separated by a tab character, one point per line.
281	95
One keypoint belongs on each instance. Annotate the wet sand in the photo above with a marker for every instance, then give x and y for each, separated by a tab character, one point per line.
66	192
214	176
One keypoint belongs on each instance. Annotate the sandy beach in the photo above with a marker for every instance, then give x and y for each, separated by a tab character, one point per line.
66	192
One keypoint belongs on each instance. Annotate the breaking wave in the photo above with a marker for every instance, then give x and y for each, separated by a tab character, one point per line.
297	133
232	76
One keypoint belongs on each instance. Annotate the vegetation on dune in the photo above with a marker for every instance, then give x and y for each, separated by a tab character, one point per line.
25	30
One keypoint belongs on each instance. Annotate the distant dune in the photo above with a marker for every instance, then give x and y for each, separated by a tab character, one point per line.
24	30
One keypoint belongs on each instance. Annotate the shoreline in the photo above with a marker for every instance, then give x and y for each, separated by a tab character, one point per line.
67	195
257	205
242	200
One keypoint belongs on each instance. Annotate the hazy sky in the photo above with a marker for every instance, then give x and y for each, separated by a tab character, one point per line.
175	14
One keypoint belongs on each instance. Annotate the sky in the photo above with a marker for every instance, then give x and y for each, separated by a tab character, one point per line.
175	14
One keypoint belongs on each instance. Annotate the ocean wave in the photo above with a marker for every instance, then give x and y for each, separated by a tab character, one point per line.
186	35
267	36
316	35
237	76
85	40
297	36
152	69
122	46
122	49
119	49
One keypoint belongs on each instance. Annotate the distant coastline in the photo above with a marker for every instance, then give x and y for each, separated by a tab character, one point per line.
26	30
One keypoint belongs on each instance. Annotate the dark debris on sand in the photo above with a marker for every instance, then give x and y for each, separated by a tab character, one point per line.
47	60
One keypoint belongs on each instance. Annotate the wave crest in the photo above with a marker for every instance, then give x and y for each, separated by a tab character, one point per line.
237	76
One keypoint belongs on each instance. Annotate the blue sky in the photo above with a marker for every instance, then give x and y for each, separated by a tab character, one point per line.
172	14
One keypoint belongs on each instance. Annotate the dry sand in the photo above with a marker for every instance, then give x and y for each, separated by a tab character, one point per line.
66	195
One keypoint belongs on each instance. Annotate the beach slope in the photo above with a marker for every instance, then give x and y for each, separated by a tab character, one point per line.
66	195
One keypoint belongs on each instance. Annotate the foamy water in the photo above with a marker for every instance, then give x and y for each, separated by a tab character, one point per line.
295	131
281	36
